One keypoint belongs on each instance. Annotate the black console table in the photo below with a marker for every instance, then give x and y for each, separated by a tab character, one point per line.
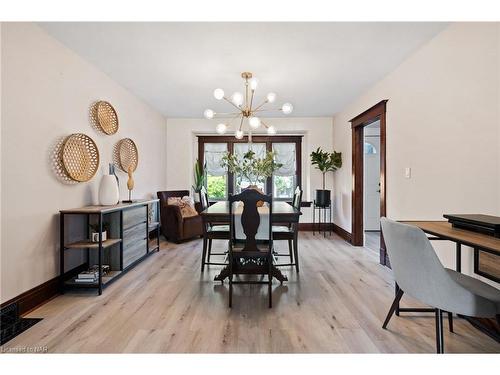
128	239
322	226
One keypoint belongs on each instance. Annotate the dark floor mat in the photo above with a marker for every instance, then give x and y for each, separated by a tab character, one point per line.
9	331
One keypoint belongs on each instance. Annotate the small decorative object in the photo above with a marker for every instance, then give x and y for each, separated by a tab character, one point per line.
108	191
94	235
199	176
130	185
128	159
246	108
106	117
252	168
80	157
325	162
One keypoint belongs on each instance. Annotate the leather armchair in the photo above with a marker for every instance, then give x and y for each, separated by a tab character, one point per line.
173	226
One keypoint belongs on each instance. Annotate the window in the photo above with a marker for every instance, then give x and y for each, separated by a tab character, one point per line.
284	179
220	183
369	149
216	175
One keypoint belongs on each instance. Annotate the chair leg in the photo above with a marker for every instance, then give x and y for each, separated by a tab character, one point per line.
209	250
290	250
450	321
270	289
230	291
395	304
296	253
204	253
439	332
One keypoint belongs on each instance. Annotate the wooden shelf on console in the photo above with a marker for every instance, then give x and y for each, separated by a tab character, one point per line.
92	245
105	279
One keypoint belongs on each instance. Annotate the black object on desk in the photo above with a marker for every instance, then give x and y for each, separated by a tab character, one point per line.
485	224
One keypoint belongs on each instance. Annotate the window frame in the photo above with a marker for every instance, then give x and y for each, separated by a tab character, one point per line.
268	140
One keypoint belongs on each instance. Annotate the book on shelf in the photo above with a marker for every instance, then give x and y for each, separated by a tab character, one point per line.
90	281
88	275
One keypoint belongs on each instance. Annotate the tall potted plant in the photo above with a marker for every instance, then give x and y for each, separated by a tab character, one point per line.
325	162
199	176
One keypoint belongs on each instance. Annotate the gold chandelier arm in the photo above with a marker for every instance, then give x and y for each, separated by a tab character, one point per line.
241	122
251	101
265	125
246	93
230	122
230	102
268	110
259	106
218	115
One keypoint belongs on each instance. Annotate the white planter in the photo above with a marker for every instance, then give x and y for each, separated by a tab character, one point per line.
108	191
95	236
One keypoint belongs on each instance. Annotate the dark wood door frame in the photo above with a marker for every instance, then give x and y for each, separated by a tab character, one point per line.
358	123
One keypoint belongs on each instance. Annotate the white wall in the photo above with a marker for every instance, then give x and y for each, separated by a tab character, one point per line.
46	94
182	145
443	122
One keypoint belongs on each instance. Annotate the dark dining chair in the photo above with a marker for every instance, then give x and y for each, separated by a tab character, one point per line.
289	233
419	273
211	232
249	255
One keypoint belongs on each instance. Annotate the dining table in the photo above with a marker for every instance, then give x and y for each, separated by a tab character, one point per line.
283	213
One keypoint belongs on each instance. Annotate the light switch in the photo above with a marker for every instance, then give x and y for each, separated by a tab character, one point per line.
408	172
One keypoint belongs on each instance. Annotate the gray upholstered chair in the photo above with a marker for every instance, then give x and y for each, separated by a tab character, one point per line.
419	273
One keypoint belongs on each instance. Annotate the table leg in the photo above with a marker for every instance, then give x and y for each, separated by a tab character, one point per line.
224	273
276	273
314	218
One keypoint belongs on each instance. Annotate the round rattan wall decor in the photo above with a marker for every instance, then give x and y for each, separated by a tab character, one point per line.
80	157
106	117
128	156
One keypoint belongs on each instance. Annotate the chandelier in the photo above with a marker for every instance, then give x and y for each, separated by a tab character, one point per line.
246	111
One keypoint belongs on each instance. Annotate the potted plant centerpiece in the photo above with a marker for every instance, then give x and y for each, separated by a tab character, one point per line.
251	168
325	162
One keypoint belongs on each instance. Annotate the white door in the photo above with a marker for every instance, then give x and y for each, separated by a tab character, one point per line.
372	183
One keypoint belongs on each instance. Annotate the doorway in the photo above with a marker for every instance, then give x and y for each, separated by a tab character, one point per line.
369	178
371	186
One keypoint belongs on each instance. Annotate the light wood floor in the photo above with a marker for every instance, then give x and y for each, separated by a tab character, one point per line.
336	304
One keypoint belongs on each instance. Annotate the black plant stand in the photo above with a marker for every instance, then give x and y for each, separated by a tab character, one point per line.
326	212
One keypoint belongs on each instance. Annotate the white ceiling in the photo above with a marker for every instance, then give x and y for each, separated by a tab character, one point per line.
319	67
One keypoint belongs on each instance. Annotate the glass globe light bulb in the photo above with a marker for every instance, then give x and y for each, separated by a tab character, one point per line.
209	114
254	82
238	134
271	97
218	94
237	98
287	108
221	128
254	122
271	130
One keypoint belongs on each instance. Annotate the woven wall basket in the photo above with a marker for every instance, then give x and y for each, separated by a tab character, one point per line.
106	117
80	157
128	156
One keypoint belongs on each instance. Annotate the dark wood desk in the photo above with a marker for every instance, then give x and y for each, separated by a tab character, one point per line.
282	213
443	230
481	243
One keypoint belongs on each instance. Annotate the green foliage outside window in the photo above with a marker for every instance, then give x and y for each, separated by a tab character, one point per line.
216	187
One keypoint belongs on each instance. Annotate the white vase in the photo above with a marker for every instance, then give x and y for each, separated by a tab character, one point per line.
108	191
